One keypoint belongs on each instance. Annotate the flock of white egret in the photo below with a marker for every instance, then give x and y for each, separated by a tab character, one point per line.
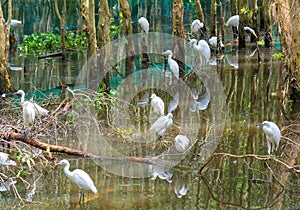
161	125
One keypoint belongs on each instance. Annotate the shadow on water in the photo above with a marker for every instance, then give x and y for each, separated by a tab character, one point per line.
212	124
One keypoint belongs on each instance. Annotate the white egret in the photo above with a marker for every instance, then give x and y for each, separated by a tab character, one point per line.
4	160
161	125
5	186
28	113
181	143
272	134
247	28
213	41
233	21
144	24
196	25
202	48
79	177
157	104
172	63
39	111
173	103
14	22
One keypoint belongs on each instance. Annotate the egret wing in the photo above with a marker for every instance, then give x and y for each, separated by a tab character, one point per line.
83	180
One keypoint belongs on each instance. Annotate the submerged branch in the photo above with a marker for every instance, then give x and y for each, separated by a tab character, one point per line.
257	157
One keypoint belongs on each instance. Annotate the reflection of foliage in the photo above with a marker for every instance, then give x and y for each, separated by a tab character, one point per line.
39	43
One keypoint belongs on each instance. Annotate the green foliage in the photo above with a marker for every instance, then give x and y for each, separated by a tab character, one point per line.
261	42
246	11
278	56
114	29
40	43
103	100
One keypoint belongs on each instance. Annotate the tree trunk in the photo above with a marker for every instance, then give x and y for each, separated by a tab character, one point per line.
130	50
267	23
243	18
254	20
201	14
234	11
5	80
213	19
287	15
62	29
178	35
88	16
104	40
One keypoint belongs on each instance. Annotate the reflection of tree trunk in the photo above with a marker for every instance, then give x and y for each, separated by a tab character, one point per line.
287	15
88	16
104	39
178	34
130	50
5	81
62	28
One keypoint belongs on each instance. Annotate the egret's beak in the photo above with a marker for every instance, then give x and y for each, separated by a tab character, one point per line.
259	124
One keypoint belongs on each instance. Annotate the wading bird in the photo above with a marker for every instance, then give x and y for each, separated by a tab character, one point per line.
79	177
181	143
196	26
247	28
233	21
28	113
213	41
161	125
202	48
172	63
39	111
15	23
272	134
157	104
144	24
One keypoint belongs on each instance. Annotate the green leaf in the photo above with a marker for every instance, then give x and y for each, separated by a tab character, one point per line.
261	42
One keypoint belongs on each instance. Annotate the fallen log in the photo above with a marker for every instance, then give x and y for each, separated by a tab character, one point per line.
61	149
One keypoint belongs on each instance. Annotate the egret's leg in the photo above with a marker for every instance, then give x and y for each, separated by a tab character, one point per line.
269	147
81	196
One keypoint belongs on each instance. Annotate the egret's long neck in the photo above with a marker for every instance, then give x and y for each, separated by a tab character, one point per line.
169	57
67	170
22	97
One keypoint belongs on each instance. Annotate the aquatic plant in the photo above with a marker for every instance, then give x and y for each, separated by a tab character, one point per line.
41	43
